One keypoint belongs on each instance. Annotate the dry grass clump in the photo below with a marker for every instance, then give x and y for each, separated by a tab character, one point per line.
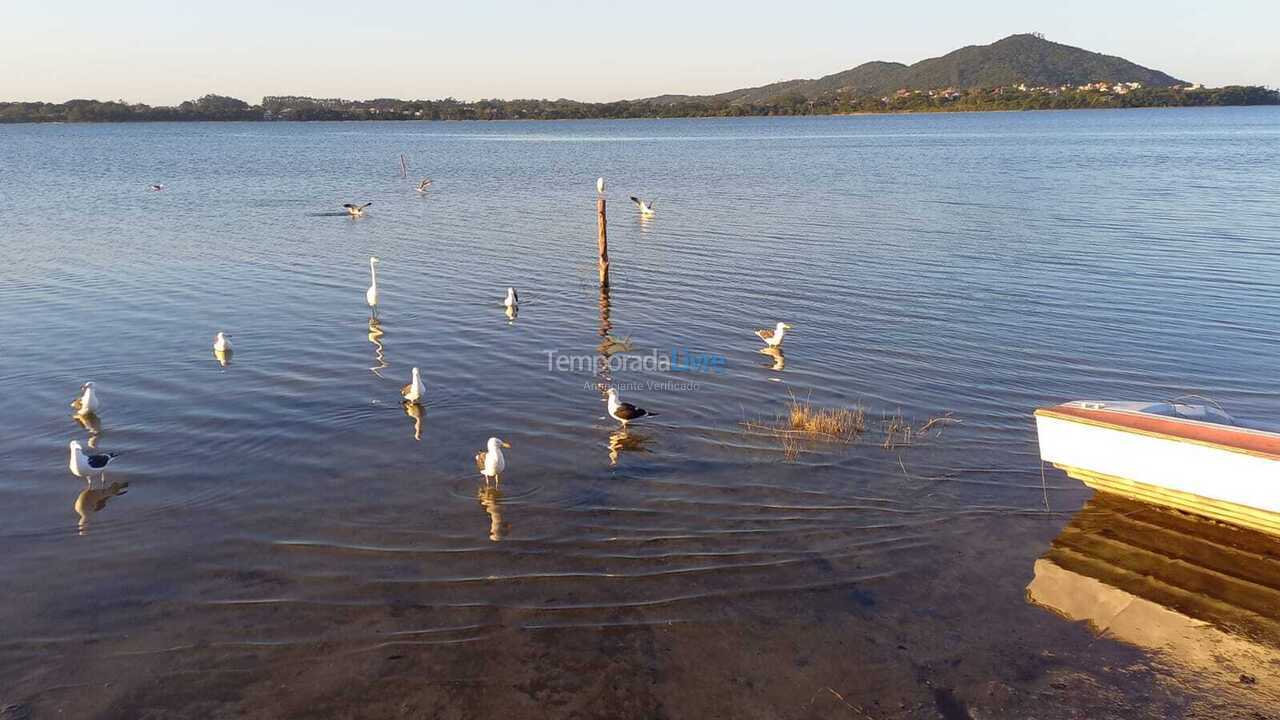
804	424
834	423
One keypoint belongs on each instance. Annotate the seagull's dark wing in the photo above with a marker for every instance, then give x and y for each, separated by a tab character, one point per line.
365	205
515	295
636	200
627	411
99	461
349	206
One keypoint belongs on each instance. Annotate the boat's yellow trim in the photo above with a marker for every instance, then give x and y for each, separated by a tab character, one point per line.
1049	413
1238	515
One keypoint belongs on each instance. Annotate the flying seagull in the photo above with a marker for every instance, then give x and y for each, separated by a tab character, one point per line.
646	208
513	300
220	343
355	210
491	461
773	338
422	186
86	466
415	390
600	185
87	402
625	412
371	295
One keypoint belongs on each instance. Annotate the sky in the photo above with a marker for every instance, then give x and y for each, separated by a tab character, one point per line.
162	53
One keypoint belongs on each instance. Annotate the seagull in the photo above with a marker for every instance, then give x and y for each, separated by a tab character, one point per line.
600	185
490	461
513	300
371	295
773	338
155	187
625	412
355	210
87	402
422	186
646	208
415	390
220	343
83	465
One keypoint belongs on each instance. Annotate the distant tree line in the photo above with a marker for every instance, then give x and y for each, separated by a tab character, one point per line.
219	107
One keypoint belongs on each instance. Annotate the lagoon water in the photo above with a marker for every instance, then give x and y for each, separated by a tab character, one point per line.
280	538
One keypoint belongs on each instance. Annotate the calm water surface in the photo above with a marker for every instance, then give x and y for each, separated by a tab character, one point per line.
281	538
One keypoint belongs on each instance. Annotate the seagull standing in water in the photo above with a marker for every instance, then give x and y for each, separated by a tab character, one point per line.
87	402
415	390
220	343
355	210
491	461
86	466
646	208
371	295
625	412
773	338
513	300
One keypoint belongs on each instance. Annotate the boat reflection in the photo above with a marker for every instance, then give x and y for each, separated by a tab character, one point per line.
92	425
379	352
414	410
91	501
491	500
625	440
1200	594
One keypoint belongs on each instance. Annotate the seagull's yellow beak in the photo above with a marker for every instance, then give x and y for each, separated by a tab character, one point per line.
506	445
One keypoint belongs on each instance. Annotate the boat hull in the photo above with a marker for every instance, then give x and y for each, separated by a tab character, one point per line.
1223	473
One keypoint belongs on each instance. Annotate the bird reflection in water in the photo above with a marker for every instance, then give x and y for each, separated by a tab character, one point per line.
379	352
92	500
625	440
93	425
775	353
414	410
512	311
223	357
491	500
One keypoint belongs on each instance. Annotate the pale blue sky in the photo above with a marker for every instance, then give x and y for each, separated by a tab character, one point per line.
165	52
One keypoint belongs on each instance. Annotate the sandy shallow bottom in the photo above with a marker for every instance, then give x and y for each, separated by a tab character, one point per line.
966	645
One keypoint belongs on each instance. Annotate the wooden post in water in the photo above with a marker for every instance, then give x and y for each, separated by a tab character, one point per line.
603	242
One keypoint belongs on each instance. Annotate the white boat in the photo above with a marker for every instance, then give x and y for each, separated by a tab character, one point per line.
1189	457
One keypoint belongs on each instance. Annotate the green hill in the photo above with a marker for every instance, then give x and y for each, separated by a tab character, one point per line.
1016	59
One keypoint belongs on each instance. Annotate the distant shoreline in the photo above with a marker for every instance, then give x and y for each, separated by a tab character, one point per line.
219	108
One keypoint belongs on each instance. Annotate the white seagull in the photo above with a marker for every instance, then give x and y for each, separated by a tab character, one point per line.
600	185
422	186
220	343
646	208
87	402
773	338
155	187
86	466
415	390
355	210
371	295
513	300
625	412
490	461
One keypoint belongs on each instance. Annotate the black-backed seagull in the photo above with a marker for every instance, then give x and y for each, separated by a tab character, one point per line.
646	208
86	466
355	210
625	412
